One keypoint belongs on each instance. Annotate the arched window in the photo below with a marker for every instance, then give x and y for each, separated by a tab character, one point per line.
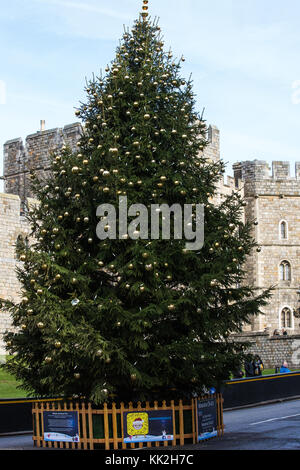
285	271
286	318
283	230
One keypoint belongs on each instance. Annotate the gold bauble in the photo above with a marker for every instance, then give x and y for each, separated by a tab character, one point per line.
171	307
148	267
22	258
57	344
40	325
23	326
75	169
77	375
133	377
99	353
48	359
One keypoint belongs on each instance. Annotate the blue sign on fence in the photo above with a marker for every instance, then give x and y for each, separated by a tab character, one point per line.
61	426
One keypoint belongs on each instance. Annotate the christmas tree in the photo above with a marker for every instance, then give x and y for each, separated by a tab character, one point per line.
109	313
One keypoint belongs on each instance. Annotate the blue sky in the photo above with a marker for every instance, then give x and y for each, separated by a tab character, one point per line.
243	54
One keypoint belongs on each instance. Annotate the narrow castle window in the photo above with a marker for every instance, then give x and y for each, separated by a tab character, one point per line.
285	271
286	318
283	230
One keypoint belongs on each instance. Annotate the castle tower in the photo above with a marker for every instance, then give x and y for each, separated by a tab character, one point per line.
273	201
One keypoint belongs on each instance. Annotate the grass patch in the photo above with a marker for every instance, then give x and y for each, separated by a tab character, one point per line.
8	385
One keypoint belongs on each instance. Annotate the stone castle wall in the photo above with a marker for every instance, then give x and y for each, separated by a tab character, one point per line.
273	350
20	158
12	224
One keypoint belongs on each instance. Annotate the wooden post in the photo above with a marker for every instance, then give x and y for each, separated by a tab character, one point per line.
174	422
181	423
114	425
122	425
106	427
164	406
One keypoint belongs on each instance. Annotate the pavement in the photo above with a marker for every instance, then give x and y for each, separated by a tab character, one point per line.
269	427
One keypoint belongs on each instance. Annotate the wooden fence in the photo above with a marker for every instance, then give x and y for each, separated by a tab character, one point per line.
103	428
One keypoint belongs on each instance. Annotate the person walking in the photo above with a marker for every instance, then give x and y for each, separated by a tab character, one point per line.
258	366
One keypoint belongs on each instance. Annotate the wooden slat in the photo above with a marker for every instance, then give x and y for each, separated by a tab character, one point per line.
122	409
106	427
193	420
174	422
114	425
181	424
90	421
130	408
84	432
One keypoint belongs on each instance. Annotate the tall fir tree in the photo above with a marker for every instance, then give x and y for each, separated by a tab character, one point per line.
131	318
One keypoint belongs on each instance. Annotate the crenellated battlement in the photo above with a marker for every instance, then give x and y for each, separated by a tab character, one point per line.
259	177
20	158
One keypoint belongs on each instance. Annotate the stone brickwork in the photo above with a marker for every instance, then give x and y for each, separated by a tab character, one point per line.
273	198
273	350
12	224
19	159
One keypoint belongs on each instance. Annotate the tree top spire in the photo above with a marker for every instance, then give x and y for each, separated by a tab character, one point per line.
145	10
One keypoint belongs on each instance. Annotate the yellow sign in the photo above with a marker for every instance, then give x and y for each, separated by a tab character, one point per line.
137	424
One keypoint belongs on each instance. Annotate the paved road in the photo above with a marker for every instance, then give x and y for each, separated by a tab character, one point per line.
269	427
